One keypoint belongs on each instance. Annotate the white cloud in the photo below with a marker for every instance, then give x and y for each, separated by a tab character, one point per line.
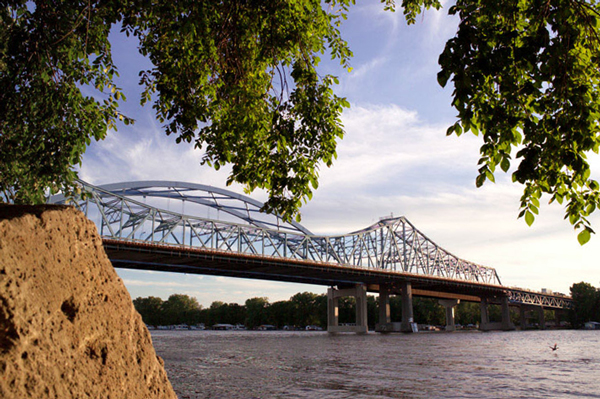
392	162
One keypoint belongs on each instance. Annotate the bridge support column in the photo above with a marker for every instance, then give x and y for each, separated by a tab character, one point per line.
485	315
408	322
385	320
360	294
507	324
523	317
541	318
449	304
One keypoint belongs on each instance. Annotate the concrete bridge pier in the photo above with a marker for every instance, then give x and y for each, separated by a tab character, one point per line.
359	292
524	316
450	305
385	324
541	318
408	322
504	325
384	307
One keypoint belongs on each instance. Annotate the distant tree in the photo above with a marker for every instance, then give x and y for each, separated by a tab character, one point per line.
428	311
150	309
396	308
181	309
281	313
257	311
304	307
467	313
586	299
347	310
321	310
372	311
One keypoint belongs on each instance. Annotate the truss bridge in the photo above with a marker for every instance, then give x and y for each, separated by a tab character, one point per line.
194	228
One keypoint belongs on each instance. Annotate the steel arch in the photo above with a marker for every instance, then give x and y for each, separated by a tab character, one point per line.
237	205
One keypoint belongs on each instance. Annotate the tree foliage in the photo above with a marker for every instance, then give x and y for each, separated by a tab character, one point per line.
151	310
526	78
586	304
238	79
48	52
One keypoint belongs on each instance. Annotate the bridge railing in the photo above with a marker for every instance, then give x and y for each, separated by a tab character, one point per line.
392	244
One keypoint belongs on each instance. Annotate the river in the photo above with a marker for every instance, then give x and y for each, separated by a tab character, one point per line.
278	364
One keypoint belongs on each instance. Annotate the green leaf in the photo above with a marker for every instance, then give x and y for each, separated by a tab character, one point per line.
583	236
480	180
529	218
505	164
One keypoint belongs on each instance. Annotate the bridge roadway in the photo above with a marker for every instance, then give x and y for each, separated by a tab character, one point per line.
391	257
181	259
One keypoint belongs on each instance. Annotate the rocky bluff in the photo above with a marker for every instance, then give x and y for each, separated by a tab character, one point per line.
68	328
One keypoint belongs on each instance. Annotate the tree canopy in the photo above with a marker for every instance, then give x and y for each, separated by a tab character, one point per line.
526	78
238	79
586	304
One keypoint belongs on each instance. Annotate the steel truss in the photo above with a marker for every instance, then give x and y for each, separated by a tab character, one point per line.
523	297
392	244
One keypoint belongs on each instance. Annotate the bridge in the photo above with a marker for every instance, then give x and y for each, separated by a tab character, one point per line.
193	228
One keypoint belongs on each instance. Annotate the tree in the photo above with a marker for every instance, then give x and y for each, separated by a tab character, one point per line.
304	307
526	78
281	313
236	78
468	313
586	299
239	80
429	311
150	309
181	309
257	311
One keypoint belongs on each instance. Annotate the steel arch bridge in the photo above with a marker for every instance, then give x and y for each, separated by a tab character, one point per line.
159	213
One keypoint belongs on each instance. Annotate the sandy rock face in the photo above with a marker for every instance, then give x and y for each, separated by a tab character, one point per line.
68	328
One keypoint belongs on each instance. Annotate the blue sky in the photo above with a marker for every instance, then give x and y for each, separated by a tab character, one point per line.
395	158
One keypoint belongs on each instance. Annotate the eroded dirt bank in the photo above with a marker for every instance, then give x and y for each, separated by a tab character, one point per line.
68	328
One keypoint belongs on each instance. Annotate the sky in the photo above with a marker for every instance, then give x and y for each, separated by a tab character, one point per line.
395	159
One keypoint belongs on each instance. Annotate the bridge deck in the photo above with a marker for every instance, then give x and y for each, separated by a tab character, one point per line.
134	255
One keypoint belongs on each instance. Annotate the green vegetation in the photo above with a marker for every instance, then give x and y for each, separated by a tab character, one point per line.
586	299
300	310
236	79
524	72
526	78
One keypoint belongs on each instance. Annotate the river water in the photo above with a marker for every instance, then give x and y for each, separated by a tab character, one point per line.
277	364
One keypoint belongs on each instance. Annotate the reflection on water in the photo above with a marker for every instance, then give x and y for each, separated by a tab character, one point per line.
248	364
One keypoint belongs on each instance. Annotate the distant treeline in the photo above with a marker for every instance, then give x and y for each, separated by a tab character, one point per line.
300	310
307	308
